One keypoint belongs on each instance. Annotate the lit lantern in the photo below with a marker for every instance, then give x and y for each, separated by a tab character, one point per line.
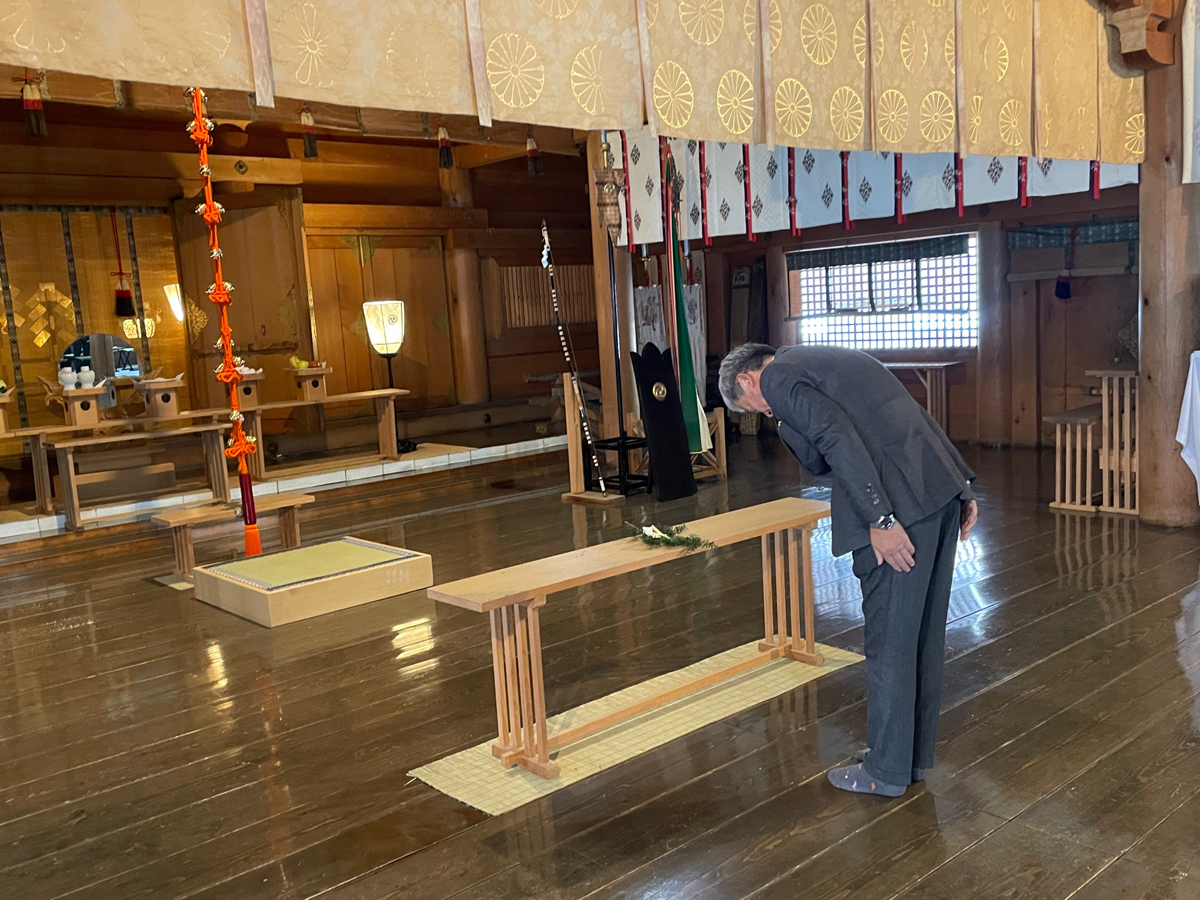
385	328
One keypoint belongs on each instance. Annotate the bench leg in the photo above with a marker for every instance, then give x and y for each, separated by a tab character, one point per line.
788	614
43	488
72	515
185	552
520	689
289	528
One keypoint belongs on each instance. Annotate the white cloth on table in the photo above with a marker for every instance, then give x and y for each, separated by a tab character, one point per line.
1188	433
1189	419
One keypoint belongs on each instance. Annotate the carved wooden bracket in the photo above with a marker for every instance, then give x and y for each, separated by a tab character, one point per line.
1142	25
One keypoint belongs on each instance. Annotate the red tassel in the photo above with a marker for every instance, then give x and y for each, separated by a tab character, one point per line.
958	185
847	222
901	218
792	191
35	116
704	195
746	183
533	159
308	133
1023	180
445	154
628	199
1095	179
122	294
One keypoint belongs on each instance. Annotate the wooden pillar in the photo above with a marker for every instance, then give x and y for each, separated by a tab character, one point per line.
993	372
1169	314
716	288
463	281
604	317
780	331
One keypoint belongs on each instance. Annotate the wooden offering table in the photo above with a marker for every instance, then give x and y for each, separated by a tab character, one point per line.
932	376
214	457
1074	457
5	399
511	597
385	415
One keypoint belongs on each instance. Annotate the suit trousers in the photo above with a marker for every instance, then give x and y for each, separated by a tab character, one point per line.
904	635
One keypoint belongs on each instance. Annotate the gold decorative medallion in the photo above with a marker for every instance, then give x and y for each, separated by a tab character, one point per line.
750	23
587	84
651	12
846	114
1012	121
1010	10
859	41
914	47
818	34
980	7
937	117
793	107
659	391
938	4
515	70
974	118
702	20
560	9
735	101
996	57
948	51
1135	134
893	116
673	95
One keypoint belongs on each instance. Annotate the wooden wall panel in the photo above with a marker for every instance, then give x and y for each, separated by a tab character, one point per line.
261	239
1026	400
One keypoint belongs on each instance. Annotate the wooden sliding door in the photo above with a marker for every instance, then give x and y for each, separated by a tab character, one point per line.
345	272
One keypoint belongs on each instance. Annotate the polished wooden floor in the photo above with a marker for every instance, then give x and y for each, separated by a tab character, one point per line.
152	747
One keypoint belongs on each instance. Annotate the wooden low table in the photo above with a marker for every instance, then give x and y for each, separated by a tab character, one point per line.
183	522
290	585
214	456
385	415
932	376
511	597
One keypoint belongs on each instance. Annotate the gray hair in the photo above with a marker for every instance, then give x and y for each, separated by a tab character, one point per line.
739	361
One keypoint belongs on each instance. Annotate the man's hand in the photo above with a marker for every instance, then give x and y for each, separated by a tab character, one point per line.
893	547
968	517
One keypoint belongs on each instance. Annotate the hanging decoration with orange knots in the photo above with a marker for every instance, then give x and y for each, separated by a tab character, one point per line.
240	445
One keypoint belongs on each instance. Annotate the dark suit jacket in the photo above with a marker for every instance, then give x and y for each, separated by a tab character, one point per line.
842	412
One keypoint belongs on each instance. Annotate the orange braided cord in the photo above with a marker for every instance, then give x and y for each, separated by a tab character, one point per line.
240	445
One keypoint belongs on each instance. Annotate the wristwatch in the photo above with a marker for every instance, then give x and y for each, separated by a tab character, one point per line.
884	523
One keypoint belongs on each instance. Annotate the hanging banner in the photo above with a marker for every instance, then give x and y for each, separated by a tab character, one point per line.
1049	177
687	159
818	187
769	189
996	56
989	179
705	82
645	186
872	181
928	181
1122	109
726	193
913	81
1064	35
563	62
1114	175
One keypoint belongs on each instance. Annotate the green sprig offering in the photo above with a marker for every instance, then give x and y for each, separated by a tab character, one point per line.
669	536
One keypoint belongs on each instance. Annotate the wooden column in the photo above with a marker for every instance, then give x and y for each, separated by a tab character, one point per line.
780	331
993	379
604	316
1169	313
716	288
466	300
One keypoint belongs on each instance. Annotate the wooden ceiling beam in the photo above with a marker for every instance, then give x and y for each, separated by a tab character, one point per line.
182	167
473	156
1147	40
365	218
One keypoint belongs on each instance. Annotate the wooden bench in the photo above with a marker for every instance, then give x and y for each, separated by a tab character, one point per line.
511	597
1118	440
214	459
182	523
385	415
1074	457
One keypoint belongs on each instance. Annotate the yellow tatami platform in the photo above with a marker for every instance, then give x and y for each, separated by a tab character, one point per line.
477	778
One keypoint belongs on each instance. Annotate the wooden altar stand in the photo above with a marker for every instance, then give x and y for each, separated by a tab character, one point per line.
512	597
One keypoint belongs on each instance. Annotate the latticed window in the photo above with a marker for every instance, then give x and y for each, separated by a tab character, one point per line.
899	295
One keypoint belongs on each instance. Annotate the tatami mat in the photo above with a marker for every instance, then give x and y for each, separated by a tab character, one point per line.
476	778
